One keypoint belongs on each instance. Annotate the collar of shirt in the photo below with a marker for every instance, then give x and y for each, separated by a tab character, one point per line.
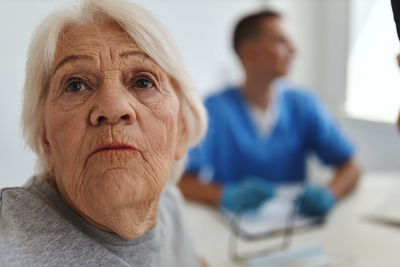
266	119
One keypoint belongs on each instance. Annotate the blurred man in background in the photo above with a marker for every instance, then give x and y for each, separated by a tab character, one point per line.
260	133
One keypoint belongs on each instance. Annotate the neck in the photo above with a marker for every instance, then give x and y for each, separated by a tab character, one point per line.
258	91
129	222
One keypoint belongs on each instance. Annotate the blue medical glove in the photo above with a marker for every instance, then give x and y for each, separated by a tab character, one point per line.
247	194
316	201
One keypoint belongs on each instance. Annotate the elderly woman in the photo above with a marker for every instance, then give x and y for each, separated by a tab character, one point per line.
110	112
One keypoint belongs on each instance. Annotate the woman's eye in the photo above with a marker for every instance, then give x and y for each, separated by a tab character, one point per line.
143	83
75	87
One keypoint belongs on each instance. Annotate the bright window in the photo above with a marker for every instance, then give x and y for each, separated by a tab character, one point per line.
374	76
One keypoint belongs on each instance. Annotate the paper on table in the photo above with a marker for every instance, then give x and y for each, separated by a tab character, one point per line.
310	256
385	210
272	216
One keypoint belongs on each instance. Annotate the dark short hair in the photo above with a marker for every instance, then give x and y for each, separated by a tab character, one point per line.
249	27
396	14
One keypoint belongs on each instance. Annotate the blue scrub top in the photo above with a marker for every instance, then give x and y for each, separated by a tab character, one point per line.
234	149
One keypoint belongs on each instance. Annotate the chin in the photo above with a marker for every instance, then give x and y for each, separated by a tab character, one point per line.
119	188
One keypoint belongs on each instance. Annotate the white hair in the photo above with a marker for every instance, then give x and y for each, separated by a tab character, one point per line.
149	35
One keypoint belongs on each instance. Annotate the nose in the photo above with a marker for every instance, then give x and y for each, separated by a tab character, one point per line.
112	106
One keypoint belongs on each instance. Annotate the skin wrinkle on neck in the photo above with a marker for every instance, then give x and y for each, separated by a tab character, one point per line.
139	227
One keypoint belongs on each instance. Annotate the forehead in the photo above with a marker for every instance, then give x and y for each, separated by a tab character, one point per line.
93	38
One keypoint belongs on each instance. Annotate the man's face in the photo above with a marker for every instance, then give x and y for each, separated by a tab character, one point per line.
272	52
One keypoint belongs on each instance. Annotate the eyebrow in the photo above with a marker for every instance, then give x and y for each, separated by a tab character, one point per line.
133	53
71	58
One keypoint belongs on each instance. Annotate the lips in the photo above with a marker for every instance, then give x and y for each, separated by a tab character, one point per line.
114	147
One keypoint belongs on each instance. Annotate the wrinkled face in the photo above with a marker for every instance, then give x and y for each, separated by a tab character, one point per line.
273	51
112	123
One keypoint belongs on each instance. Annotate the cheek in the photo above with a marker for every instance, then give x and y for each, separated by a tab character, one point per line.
159	128
64	133
283	52
160	131
268	58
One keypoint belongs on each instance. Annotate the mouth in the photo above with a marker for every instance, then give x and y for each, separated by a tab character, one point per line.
114	148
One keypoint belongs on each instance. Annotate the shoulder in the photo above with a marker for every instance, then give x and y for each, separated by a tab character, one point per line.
22	203
20	207
10	194
224	104
174	228
14	202
302	102
300	96
25	213
17	209
171	203
222	98
10	200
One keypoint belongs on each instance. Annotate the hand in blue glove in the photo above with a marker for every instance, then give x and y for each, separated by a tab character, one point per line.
247	194
316	201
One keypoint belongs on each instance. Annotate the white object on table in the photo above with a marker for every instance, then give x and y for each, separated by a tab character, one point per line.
346	235
271	217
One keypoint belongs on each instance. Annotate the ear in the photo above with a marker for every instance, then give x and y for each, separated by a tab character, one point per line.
46	150
398	59
247	51
182	139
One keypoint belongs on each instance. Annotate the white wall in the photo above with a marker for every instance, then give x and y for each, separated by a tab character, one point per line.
17	22
378	143
202	30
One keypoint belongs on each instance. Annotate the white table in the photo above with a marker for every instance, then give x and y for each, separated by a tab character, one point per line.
347	235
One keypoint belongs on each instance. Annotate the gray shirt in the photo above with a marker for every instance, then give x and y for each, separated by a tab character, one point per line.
37	228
